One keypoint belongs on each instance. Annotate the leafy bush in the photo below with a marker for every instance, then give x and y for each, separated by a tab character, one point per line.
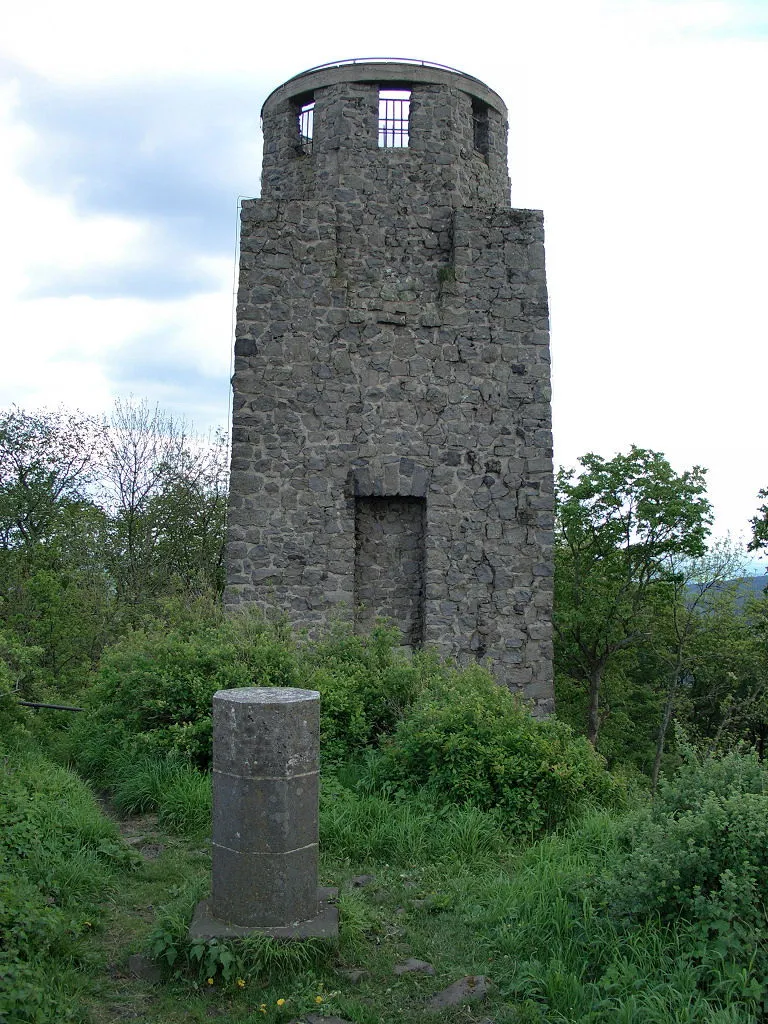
18	680
154	689
57	861
699	858
731	774
365	687
469	740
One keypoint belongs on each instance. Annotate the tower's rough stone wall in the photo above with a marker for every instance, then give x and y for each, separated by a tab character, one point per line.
391	389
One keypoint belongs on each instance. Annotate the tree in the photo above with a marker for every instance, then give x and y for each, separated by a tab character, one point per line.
617	525
166	494
99	523
759	525
692	586
189	517
47	462
725	698
54	591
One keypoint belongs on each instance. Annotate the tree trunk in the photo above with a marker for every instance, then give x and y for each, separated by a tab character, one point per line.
666	718
593	719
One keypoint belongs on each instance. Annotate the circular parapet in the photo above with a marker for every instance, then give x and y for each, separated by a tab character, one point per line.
394	70
386	128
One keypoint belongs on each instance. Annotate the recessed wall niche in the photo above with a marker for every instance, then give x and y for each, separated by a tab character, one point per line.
389	565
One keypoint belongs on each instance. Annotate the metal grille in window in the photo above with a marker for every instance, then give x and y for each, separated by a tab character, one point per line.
394	114
306	119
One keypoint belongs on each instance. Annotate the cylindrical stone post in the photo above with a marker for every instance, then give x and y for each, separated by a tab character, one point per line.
265	805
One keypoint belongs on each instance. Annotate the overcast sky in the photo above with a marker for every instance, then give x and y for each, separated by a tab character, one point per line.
128	131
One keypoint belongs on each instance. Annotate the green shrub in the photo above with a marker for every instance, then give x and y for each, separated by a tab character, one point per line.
740	771
18	681
699	859
365	686
469	740
13	717
154	690
58	855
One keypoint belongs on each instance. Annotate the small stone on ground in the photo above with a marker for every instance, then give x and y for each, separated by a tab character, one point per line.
360	880
353	975
474	986
151	851
142	967
414	966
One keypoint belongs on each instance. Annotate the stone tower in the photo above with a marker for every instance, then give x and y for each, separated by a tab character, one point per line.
392	447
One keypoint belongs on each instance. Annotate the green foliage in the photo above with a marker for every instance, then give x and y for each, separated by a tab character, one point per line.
166	493
726	698
701	776
143	781
99	525
469	740
154	689
13	717
759	524
630	709
58	857
700	857
209	961
368	828
53	594
618	525
560	952
365	687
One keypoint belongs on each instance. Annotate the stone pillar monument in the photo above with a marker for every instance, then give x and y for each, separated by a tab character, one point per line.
391	441
265	817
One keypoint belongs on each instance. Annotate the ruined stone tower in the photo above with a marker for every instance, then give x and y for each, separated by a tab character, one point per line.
391	429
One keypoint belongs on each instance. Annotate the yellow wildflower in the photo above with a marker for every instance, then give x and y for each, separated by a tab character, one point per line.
241	983
210	981
281	1002
263	1008
318	999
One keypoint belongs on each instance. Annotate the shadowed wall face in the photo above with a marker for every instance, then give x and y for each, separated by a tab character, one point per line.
389	565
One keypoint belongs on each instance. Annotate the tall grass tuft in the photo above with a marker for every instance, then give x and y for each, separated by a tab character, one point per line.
371	828
170	785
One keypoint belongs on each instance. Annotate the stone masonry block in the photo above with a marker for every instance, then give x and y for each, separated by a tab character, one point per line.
253	889
253	817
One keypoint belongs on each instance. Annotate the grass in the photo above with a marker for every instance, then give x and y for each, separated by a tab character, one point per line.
448	887
146	782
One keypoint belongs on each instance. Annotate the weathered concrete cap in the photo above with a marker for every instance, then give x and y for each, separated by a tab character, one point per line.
266	695
269	731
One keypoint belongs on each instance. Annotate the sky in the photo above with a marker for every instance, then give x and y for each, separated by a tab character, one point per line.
128	133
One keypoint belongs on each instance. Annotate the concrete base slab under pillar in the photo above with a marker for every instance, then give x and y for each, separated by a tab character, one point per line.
325	926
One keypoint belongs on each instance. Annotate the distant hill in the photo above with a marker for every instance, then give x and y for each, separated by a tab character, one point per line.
749	586
755	584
